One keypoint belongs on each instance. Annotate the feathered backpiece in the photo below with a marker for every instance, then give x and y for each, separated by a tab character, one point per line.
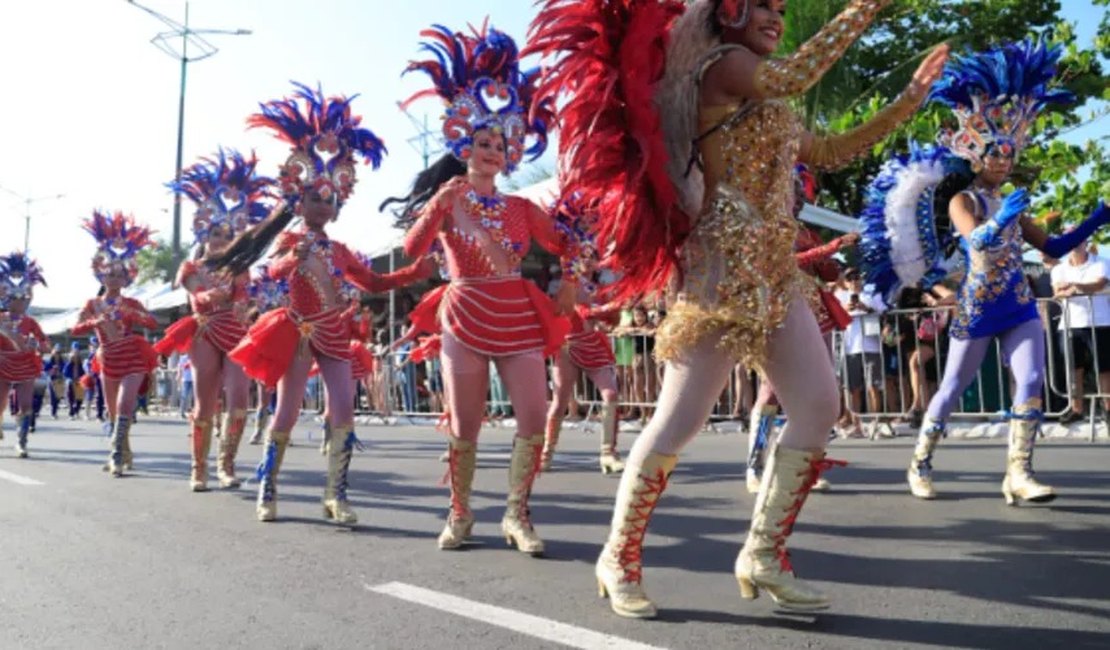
119	239
226	191
18	276
478	76
609	57
901	244
326	140
266	292
996	96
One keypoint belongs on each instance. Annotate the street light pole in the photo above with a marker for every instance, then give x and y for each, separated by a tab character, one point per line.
204	49
27	201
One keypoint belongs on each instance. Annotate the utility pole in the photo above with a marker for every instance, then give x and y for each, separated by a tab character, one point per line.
202	49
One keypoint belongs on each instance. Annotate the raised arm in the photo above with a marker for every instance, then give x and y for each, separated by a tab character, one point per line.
743	75
1060	245
836	151
420	236
86	320
366	279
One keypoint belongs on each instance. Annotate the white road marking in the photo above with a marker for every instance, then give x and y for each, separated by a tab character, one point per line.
16	478
534	626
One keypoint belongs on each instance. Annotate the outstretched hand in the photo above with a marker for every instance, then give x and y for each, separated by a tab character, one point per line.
930	69
1013	206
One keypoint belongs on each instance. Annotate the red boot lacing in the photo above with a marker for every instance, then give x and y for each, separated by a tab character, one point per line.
523	513
631	549
452	478
786	524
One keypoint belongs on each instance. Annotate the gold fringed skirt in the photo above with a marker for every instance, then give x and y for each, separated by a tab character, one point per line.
739	276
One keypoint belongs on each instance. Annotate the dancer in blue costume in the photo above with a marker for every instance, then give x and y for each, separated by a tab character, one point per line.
996	96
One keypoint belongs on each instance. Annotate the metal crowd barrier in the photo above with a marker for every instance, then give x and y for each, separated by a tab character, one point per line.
400	388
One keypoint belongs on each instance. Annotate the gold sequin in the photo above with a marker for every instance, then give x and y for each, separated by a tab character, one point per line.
739	271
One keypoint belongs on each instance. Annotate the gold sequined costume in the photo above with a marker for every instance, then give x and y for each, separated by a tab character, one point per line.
738	270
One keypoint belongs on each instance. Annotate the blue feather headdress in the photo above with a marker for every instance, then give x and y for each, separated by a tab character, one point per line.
266	292
226	191
119	239
18	276
478	76
901	245
996	96
326	139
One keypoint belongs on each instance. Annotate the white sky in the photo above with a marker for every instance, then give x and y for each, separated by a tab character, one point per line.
90	106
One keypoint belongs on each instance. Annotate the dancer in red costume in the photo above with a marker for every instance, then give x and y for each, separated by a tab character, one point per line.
281	346
21	339
587	350
488	311
266	294
359	331
813	257
124	357
229	199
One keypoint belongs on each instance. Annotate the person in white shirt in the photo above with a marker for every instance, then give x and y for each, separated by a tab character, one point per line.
1081	282
862	347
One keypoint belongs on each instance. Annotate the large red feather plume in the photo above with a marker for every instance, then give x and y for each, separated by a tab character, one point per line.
611	56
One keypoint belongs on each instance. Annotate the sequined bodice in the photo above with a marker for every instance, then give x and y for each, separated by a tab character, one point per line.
495	246
753	151
748	155
314	286
994	288
199	280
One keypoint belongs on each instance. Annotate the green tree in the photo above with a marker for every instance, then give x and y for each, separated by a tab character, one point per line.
156	263
880	65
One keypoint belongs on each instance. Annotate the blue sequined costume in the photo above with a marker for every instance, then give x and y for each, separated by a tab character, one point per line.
994	295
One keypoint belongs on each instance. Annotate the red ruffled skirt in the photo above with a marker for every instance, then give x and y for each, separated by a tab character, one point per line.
222	329
17	367
494	316
590	350
268	348
130	355
362	362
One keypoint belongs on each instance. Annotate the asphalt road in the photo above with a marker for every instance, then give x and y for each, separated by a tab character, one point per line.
140	562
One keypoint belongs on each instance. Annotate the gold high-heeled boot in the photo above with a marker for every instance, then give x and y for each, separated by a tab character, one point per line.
764	561
619	568
516	525
120	432
462	459
201	442
272	455
341	445
920	473
762	427
235	422
551	440
21	436
609	460
1019	484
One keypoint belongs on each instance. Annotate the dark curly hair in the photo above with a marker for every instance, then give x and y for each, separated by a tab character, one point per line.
424	188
